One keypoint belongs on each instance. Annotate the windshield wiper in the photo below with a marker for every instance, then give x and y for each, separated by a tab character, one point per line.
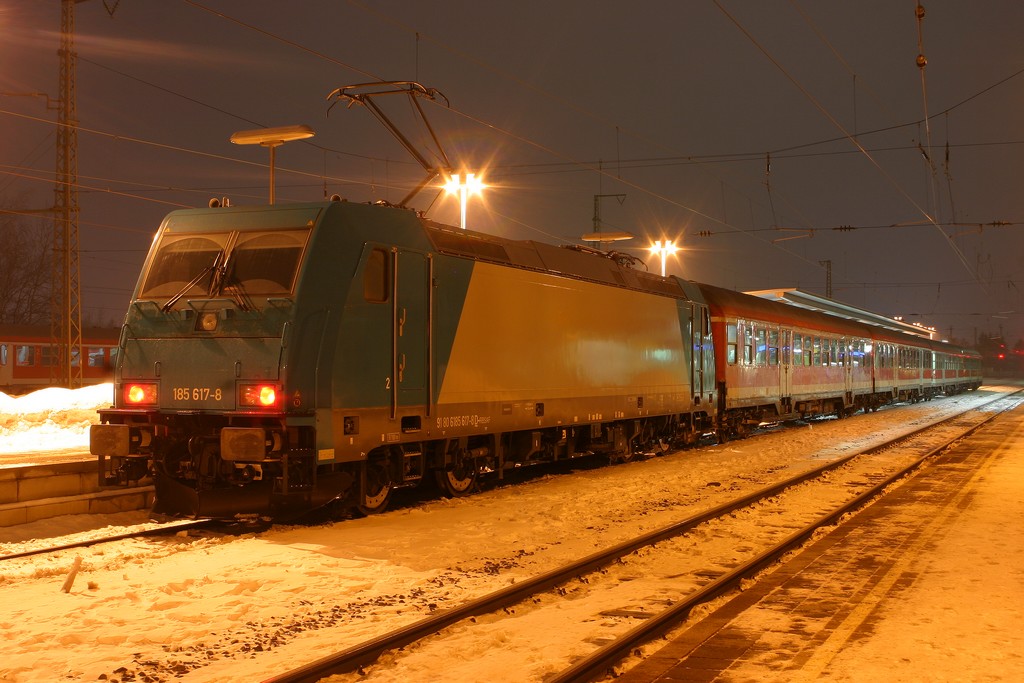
223	282
213	267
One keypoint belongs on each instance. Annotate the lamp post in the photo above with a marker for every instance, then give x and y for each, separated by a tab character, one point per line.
464	188
663	250
272	138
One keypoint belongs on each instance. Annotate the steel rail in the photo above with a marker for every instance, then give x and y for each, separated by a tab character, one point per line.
599	662
155	531
351	659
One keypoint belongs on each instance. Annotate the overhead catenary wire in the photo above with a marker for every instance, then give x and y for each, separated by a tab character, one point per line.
584	168
853	140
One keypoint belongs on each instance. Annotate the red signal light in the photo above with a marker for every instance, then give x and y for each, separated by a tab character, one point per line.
258	395
140	394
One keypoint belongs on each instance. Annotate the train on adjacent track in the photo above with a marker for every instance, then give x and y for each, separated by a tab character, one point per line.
276	359
28	357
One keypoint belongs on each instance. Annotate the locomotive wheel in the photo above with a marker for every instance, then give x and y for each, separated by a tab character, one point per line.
457	482
376	492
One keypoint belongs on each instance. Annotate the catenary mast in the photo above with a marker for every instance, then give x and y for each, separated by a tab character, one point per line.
66	356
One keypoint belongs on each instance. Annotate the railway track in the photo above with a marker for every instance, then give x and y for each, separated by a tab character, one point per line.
783	515
148	530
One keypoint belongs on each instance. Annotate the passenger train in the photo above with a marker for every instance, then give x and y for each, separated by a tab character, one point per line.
26	357
276	359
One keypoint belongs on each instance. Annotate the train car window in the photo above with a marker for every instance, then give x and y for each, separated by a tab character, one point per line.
808	351
748	346
798	350
375	277
786	350
24	355
74	356
266	262
816	351
180	259
762	347
773	347
3	354
46	356
96	358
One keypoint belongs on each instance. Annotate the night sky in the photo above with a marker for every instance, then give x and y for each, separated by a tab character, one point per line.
763	136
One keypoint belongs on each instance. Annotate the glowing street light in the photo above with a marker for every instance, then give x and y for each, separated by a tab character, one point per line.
472	185
663	250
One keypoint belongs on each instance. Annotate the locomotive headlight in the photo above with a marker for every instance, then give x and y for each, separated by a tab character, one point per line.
140	393
207	322
258	395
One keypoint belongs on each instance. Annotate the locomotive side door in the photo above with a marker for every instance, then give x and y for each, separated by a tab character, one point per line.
696	353
411	338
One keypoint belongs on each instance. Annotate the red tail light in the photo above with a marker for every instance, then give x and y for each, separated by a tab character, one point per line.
258	395
140	394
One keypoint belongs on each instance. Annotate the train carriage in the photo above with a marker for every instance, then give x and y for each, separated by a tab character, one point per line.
27	360
780	361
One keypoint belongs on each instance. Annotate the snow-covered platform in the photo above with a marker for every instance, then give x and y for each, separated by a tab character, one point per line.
924	585
62	487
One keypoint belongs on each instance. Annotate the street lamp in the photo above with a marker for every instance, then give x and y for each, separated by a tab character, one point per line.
470	186
272	138
663	250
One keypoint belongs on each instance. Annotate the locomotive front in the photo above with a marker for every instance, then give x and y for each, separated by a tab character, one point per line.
205	401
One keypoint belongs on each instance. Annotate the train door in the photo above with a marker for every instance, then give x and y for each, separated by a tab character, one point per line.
786	371
708	356
5	365
850	357
698	319
411	338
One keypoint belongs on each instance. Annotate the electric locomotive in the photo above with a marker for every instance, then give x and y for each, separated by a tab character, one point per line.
279	358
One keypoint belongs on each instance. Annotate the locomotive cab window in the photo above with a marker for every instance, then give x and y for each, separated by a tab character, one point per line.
265	262
210	264
180	260
375	277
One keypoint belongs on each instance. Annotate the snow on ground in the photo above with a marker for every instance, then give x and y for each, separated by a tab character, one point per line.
218	609
51	419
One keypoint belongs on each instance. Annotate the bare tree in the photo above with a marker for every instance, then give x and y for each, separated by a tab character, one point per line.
26	245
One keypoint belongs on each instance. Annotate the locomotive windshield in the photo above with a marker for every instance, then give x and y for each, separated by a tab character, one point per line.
208	264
